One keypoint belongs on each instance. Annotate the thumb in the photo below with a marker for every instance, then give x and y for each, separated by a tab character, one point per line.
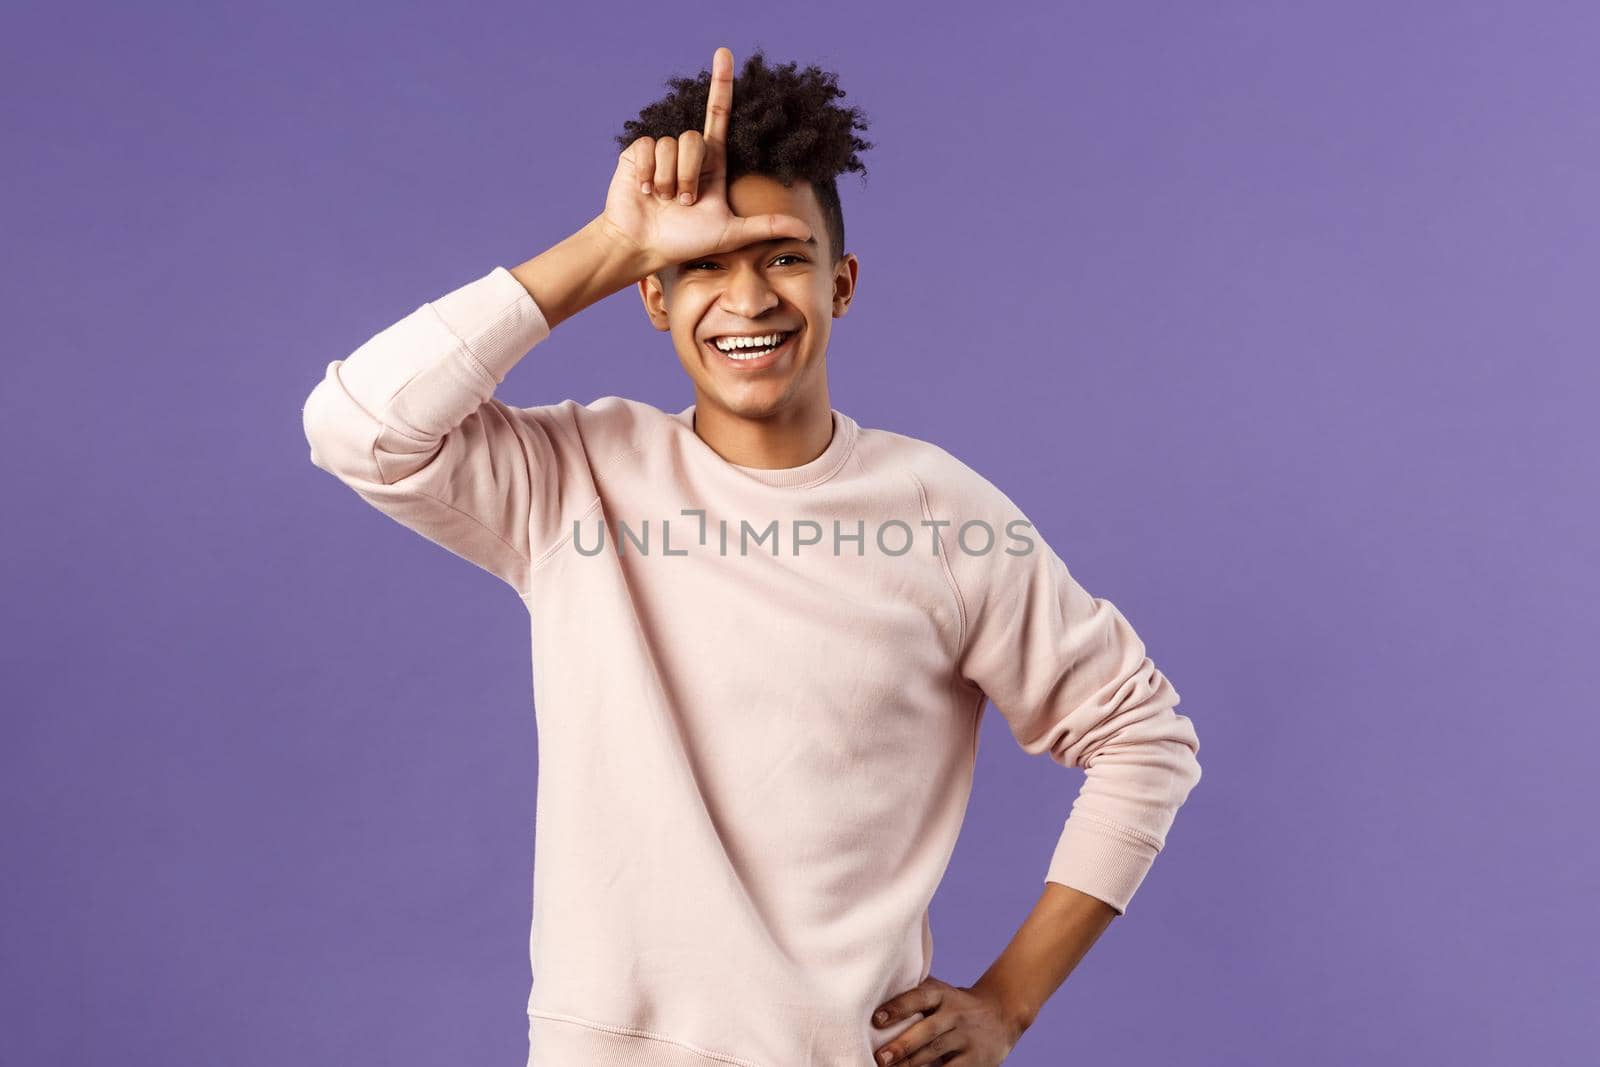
747	229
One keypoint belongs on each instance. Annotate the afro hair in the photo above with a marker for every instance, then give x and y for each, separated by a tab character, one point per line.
784	125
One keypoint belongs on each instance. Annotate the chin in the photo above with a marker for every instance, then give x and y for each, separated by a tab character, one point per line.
750	406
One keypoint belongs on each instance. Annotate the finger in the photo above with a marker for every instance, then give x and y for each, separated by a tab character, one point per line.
924	1042
719	103
920	998
939	1049
642	154
750	228
691	153
666	167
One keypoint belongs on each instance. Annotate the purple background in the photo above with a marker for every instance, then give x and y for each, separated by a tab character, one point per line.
1280	322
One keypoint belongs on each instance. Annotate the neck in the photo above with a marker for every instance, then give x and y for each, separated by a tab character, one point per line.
791	437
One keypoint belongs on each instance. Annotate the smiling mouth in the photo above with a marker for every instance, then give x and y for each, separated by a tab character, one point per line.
754	358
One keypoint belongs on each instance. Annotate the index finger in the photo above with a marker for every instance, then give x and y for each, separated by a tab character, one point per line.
720	101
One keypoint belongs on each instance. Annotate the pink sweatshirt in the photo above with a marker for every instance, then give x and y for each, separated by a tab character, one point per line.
757	691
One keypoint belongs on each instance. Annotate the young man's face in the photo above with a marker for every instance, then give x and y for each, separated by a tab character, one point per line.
783	286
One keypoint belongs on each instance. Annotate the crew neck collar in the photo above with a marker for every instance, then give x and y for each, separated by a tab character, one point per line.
820	469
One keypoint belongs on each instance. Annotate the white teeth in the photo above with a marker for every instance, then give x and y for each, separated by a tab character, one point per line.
734	344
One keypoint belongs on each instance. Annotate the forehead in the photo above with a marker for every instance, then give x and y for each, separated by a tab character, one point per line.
758	194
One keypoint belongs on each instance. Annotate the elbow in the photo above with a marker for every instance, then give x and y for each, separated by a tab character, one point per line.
1144	728
340	435
318	427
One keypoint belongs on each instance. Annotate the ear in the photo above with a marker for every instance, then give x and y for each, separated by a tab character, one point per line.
844	283
654	297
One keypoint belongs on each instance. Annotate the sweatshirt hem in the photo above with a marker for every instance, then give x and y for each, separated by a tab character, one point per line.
558	1040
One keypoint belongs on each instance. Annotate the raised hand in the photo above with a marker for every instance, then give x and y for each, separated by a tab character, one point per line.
669	195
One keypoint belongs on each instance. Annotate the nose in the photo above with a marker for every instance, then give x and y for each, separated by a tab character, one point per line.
748	295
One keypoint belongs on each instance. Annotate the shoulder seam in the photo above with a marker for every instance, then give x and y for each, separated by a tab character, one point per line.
944	563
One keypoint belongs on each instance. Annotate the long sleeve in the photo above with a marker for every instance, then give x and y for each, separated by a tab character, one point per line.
409	422
1073	680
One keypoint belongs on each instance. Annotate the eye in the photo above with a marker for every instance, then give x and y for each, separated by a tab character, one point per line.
697	264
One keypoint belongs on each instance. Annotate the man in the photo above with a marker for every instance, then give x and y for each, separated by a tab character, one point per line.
763	635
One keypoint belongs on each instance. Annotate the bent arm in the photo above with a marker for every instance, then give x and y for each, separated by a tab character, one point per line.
409	420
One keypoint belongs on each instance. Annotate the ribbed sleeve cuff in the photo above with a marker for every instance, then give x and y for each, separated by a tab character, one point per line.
495	318
1094	858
